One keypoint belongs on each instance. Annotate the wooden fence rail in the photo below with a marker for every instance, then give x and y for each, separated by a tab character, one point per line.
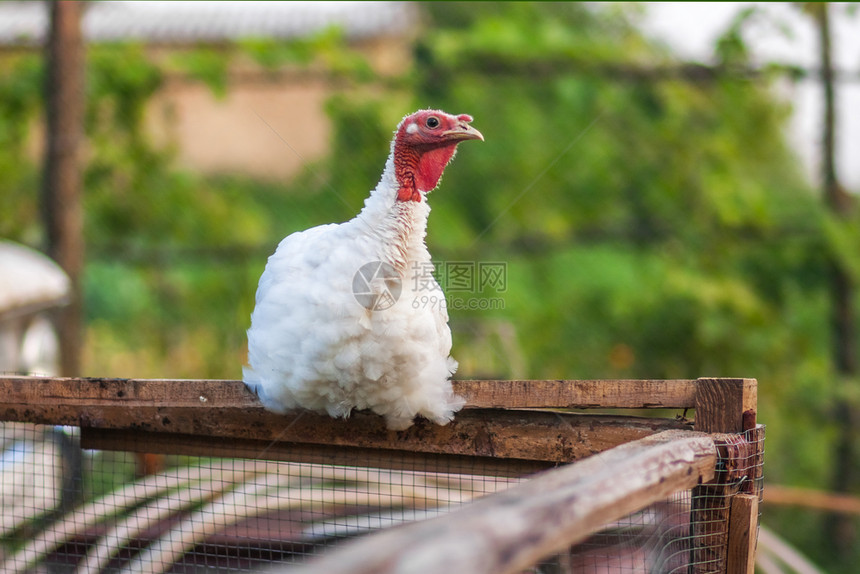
187	416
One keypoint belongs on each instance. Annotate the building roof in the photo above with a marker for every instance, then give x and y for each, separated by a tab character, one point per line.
184	22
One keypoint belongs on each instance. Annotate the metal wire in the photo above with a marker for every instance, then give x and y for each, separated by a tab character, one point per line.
197	514
677	535
68	510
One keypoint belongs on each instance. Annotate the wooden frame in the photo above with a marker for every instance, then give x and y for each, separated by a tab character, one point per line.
508	428
184	416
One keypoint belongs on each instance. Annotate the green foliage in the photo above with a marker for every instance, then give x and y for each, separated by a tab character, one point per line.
20	93
359	147
327	50
207	65
576	166
120	80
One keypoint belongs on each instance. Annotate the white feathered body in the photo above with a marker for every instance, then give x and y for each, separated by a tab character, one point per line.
313	345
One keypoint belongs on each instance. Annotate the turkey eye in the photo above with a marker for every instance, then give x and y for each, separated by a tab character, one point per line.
432	122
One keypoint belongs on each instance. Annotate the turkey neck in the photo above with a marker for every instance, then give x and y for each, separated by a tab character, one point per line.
398	226
409	227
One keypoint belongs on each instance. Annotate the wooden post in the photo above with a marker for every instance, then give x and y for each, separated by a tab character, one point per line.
743	522
61	185
726	405
722	406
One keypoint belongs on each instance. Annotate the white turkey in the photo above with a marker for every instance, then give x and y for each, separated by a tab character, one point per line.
348	316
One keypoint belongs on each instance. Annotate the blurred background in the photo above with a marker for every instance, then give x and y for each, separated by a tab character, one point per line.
669	191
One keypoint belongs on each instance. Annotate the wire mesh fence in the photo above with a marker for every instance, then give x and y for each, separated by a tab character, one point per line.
88	511
677	535
655	539
197	514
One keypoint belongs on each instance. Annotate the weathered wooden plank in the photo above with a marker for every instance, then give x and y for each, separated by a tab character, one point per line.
743	522
226	409
744	514
130	393
622	394
510	531
528	435
233	394
169	443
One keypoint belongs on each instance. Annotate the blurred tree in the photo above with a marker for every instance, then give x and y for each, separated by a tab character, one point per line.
61	187
840	530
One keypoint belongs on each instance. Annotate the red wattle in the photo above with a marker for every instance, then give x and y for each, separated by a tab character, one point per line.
431	165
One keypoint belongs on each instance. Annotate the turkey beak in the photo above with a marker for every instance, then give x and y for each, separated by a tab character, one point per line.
464	132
